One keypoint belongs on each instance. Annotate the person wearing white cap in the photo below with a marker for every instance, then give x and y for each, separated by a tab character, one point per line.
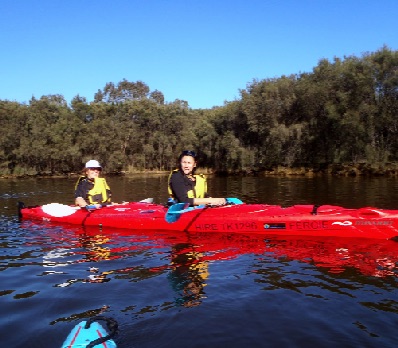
90	189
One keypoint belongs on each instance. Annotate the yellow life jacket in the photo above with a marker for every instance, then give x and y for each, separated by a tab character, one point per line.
200	186
99	193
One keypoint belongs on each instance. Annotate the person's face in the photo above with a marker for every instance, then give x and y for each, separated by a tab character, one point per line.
93	173
187	164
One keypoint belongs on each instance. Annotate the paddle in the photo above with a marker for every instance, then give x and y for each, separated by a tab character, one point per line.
60	210
176	210
232	201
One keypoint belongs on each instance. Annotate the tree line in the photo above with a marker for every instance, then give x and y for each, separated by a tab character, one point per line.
344	111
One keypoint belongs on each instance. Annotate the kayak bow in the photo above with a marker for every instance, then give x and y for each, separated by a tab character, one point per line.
90	333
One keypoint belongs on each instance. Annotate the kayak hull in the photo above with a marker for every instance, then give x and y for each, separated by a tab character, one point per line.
325	220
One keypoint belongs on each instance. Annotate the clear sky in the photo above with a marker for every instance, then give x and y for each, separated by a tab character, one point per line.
200	51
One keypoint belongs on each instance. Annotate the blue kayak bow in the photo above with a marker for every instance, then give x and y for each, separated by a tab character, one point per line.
90	333
176	210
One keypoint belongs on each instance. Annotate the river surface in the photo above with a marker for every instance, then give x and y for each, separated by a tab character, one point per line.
203	289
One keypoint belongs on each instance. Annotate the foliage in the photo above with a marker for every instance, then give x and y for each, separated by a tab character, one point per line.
344	111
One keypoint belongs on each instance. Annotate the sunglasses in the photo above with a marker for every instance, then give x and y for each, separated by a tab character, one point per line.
99	169
189	153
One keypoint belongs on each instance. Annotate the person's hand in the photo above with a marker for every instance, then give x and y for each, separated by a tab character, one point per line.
93	206
217	201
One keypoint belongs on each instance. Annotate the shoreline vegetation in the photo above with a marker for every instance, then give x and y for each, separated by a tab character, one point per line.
343	170
339	119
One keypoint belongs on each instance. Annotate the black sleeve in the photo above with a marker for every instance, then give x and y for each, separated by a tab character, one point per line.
180	187
82	189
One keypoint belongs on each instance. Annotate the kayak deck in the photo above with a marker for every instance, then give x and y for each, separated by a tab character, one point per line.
91	333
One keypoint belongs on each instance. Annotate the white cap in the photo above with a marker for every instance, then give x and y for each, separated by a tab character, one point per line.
93	164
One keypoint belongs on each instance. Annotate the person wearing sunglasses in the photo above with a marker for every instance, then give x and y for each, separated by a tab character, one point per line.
91	190
187	187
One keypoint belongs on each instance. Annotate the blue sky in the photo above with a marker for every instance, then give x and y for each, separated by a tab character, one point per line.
200	51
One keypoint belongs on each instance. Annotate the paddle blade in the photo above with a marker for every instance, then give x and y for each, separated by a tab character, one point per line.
174	212
147	200
59	210
233	201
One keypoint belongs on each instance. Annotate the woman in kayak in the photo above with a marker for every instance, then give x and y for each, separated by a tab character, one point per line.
187	187
90	189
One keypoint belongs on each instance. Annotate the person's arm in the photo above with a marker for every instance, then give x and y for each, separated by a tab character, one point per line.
209	201
79	201
80	193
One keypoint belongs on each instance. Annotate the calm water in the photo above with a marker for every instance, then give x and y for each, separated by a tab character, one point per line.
199	290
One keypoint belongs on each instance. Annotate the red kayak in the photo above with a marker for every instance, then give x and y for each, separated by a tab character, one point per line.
324	220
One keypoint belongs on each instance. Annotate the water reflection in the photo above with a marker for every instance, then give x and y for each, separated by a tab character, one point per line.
337	255
188	274
186	256
95	246
152	275
79	316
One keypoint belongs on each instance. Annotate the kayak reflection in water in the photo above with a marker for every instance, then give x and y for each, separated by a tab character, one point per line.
187	187
188	274
91	190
